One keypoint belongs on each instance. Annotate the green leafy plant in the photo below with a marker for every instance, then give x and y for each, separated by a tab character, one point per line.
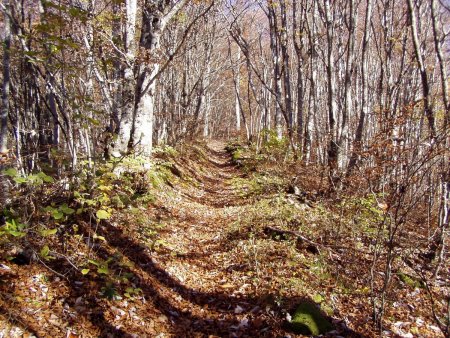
273	147
102	214
59	213
131	292
13	228
48	232
363	214
45	253
32	179
109	291
102	266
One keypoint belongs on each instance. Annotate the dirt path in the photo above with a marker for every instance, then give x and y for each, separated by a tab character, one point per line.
211	295
189	281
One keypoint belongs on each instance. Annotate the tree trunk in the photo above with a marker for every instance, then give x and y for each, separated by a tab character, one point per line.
286	66
237	81
314	95
4	112
357	146
274	46
298	46
349	68
138	97
422	70
128	98
442	67
333	148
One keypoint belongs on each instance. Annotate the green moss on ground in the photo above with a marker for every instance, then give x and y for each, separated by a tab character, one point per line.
308	320
410	280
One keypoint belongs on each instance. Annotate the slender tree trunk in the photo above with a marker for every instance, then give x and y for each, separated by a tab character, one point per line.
4	112
237	80
314	95
442	66
286	66
298	46
349	68
333	148
124	128
357	146
274	46
422	70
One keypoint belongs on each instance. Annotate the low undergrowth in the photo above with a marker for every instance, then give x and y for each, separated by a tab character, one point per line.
60	223
354	259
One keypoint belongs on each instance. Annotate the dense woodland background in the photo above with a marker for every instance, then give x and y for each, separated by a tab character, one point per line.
357	91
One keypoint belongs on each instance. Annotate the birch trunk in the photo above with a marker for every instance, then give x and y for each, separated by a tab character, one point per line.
6	79
274	46
125	123
286	66
237	81
298	46
442	66
313	97
349	67
333	148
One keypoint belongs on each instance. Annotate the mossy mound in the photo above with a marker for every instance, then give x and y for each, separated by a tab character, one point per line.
308	320
410	280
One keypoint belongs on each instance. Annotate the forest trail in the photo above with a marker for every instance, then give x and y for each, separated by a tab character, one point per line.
198	268
193	258
194	279
180	260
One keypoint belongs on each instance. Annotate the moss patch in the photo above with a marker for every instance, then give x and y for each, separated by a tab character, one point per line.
308	320
410	280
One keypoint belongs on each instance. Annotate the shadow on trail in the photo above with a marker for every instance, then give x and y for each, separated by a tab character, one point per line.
161	289
212	187
93	315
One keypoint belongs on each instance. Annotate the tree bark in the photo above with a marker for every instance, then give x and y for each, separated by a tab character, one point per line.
6	81
136	125
349	68
274	46
442	65
127	107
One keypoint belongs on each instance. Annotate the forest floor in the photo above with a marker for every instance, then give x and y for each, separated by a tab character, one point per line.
199	261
